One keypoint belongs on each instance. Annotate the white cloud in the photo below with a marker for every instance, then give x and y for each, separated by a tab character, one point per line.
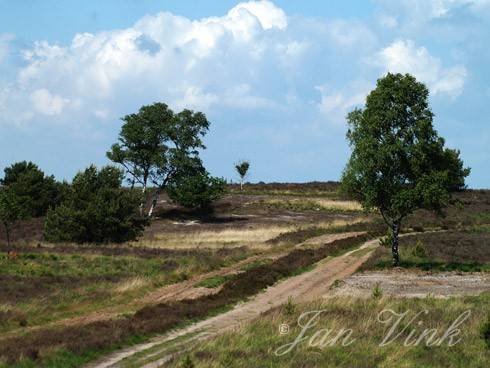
252	58
387	21
196	64
336	103
46	103
403	56
266	12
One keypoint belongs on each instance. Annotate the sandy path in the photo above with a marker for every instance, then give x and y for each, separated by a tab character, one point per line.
305	287
414	284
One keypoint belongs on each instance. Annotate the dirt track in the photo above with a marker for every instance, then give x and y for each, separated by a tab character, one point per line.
307	286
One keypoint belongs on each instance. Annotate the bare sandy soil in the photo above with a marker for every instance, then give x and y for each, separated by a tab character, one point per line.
402	283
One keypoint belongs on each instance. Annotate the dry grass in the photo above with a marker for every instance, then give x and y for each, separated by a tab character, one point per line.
131	284
255	344
338	205
250	237
313	203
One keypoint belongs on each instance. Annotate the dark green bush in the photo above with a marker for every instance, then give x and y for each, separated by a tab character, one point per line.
96	209
197	190
485	331
36	191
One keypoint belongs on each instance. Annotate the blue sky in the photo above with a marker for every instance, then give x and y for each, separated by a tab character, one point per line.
275	78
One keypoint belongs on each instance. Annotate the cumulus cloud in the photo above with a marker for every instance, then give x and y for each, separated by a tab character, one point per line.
254	57
46	103
336	103
193	64
402	56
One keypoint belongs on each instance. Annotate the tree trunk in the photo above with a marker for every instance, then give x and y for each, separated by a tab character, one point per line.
7	232
154	202
241	184
143	199
395	229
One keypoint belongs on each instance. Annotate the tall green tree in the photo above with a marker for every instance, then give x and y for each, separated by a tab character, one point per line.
156	144
36	191
139	145
398	162
11	211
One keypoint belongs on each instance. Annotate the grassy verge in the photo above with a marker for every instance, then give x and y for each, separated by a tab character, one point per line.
375	227
256	344
39	345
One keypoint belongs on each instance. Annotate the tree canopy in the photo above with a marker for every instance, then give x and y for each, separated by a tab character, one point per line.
241	168
399	163
36	191
11	210
155	144
96	209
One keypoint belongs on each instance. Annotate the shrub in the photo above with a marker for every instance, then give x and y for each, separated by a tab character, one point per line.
377	291
187	362
36	191
96	209
11	211
485	332
196	190
289	307
336	284
419	250
386	240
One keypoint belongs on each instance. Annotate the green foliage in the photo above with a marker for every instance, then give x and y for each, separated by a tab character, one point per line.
289	308
398	162
195	189
377	291
386	240
96	209
485	331
35	190
187	362
242	168
419	250
156	144
212	282
336	284
11	210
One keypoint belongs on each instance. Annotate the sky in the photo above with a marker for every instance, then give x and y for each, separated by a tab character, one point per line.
275	78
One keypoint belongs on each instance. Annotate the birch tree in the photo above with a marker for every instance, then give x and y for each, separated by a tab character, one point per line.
241	168
155	144
398	162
